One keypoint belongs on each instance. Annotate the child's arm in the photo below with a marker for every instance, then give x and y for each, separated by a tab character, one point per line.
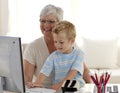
38	82
71	75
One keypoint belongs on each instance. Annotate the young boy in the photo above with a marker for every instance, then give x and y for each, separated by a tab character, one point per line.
66	61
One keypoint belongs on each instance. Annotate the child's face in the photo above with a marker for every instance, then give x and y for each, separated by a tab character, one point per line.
62	43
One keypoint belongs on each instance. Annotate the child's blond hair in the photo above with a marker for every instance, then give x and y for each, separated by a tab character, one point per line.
65	27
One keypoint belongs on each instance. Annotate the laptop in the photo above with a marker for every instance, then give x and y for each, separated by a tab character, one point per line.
11	67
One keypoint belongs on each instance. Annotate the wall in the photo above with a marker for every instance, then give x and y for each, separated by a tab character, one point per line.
3	17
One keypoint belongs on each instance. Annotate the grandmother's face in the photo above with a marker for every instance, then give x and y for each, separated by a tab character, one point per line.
47	23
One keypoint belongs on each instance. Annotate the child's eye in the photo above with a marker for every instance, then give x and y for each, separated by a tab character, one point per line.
61	42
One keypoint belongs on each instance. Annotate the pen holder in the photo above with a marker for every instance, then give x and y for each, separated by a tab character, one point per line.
101	89
100	82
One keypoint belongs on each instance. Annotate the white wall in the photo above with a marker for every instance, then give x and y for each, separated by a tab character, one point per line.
3	17
92	18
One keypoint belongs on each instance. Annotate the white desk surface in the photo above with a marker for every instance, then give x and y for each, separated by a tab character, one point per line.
88	88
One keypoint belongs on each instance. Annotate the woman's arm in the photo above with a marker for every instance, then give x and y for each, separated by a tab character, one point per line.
86	75
28	71
28	75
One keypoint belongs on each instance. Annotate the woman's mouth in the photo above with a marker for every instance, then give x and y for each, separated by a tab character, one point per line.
48	30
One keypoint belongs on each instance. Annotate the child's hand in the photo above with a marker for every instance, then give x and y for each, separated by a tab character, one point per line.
29	84
32	85
57	86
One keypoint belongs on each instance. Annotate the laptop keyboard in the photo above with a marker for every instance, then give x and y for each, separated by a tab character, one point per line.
39	90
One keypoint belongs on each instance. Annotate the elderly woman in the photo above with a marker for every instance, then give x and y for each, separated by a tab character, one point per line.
38	50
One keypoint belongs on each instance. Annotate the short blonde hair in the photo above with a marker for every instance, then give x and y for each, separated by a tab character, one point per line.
66	27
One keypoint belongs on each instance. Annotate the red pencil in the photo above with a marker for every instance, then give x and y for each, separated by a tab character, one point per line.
96	77
107	79
94	80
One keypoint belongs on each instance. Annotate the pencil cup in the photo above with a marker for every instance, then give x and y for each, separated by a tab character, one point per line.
101	89
101	82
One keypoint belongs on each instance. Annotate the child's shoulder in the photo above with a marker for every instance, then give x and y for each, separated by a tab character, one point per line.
79	51
54	53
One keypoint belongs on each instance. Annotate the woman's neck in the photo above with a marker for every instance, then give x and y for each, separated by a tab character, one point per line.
50	45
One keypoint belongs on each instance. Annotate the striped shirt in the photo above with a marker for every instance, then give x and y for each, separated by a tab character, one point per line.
61	64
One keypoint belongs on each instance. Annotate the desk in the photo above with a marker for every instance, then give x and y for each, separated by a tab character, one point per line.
88	88
8	92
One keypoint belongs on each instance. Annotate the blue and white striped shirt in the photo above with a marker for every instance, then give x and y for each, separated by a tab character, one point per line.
61	64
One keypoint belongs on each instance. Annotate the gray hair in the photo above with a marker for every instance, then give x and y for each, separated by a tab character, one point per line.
51	9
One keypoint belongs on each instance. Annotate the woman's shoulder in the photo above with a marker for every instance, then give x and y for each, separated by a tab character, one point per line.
37	42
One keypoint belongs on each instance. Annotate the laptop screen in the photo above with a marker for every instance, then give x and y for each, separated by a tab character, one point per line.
11	64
